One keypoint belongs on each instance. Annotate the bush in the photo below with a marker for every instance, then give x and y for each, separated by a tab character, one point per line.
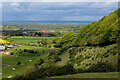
80	71
41	61
36	52
73	52
57	58
25	50
47	72
101	67
90	47
11	53
106	55
18	63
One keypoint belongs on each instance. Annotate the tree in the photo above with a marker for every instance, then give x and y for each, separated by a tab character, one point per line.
44	42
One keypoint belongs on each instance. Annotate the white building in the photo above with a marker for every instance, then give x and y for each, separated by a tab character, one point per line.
10	46
2	48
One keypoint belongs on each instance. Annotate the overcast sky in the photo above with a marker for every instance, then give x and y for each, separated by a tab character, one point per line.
56	11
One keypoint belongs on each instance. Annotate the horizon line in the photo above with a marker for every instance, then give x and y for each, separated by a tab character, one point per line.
53	21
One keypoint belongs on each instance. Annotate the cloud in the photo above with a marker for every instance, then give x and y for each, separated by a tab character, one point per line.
0	5
57	5
59	0
104	5
15	4
57	10
81	18
0	13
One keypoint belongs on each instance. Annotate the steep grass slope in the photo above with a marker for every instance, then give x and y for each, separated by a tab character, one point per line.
102	32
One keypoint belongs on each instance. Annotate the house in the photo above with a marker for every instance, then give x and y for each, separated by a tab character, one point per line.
2	48
10	46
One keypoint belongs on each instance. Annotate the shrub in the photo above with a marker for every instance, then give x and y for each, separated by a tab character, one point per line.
101	67
25	50
11	53
18	63
43	51
41	61
106	55
46	72
57	58
36	52
80	71
90	47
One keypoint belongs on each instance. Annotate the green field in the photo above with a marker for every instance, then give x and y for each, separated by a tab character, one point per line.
10	62
21	39
39	49
0	66
90	75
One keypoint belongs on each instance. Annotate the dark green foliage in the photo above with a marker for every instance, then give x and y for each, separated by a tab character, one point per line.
65	41
101	67
68	37
72	52
18	63
44	42
106	54
118	63
25	50
36	52
47	72
90	47
87	57
80	71
57	40
41	61
79	59
43	51
54	56
11	53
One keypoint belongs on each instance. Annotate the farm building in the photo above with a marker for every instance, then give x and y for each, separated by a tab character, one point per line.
2	48
10	46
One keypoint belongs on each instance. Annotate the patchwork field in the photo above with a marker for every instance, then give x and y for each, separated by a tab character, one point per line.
39	49
20	39
0	66
10	62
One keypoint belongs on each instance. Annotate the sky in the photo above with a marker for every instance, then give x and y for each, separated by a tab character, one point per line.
56	11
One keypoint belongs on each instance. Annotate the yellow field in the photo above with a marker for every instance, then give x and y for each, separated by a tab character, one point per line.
3	41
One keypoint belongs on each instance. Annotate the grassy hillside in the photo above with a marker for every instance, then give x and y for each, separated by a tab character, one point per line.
95	43
93	49
84	58
102	32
